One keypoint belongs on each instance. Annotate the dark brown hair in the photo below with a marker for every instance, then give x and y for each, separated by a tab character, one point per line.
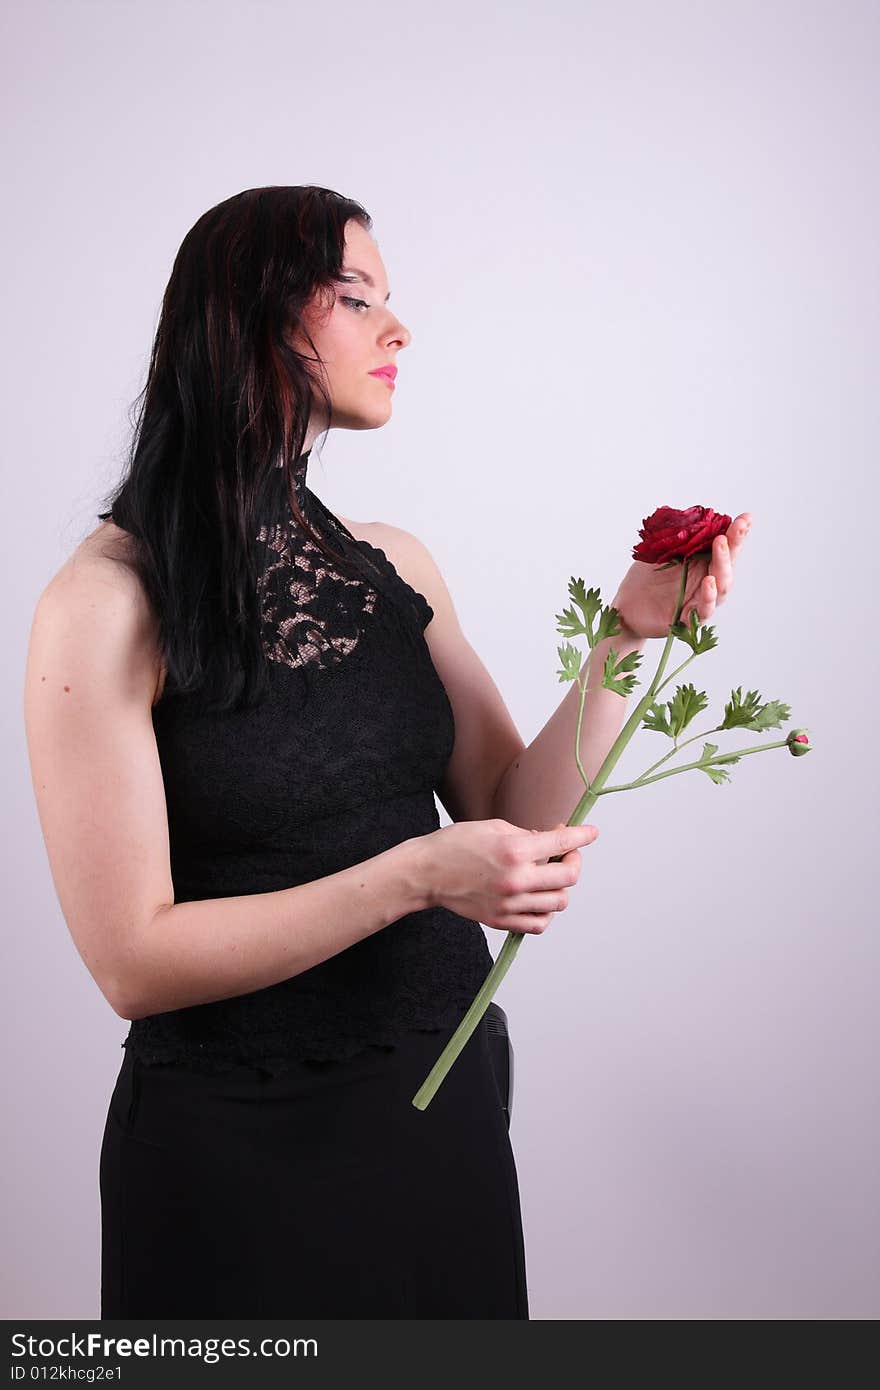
226	396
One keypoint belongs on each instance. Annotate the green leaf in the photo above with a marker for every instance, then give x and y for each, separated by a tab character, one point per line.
571	662
568	624
700	642
609	625
750	713
612	679
718	774
656	719
771	716
589	602
684	706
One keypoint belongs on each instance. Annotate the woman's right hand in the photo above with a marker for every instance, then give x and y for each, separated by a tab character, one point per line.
498	874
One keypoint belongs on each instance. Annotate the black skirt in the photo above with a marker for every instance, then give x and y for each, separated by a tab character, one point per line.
319	1193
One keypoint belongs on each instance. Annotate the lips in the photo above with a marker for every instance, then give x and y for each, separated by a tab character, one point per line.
389	372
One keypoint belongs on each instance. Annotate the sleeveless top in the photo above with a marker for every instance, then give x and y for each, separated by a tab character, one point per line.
338	764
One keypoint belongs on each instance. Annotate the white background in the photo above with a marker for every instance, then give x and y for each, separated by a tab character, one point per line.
636	247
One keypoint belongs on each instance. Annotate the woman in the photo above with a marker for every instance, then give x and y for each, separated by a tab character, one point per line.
237	722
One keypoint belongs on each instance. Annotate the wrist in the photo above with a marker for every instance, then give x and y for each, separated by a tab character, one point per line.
627	636
416	867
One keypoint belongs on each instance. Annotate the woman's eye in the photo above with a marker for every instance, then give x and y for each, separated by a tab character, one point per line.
347	299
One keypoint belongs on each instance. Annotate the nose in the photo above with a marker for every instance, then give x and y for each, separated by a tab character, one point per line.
398	334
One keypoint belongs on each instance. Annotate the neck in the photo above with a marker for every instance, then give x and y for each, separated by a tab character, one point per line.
299	471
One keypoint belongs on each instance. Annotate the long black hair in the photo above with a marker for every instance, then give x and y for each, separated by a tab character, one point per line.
226	396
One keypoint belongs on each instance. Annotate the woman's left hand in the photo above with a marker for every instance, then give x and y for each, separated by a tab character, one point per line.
647	596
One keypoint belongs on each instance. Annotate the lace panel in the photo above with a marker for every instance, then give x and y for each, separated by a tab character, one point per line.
313	613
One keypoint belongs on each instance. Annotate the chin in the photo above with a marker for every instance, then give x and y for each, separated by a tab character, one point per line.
364	419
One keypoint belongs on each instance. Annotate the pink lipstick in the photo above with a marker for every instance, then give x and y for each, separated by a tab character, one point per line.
387	374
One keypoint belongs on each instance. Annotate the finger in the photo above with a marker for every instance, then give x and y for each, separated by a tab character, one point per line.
738	530
704	601
722	566
550	877
526	923
562	838
540	901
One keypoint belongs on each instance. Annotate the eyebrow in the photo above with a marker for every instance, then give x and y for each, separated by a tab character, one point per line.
353	270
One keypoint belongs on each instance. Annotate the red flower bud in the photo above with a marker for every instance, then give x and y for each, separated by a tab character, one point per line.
668	534
799	742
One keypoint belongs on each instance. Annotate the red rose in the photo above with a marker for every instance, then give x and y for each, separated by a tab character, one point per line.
669	534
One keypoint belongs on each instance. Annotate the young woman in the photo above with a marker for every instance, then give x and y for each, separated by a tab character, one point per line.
239	707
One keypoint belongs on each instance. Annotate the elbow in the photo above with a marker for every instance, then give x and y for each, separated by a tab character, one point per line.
131	1006
126	992
122	1001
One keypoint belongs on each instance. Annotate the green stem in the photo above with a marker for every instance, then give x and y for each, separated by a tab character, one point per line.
677	749
577	738
587	801
693	656
505	957
687	767
504	960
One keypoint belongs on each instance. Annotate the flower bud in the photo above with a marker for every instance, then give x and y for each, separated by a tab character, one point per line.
799	742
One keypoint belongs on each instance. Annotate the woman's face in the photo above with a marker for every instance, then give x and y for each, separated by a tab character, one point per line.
354	336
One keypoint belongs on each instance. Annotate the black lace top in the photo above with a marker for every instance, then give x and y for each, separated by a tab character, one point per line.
338	764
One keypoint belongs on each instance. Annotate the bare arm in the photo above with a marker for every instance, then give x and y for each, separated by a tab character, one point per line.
193	953
89	686
542	784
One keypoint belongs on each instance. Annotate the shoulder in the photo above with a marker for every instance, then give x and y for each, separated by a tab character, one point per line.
413	561
96	585
101	555
409	555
